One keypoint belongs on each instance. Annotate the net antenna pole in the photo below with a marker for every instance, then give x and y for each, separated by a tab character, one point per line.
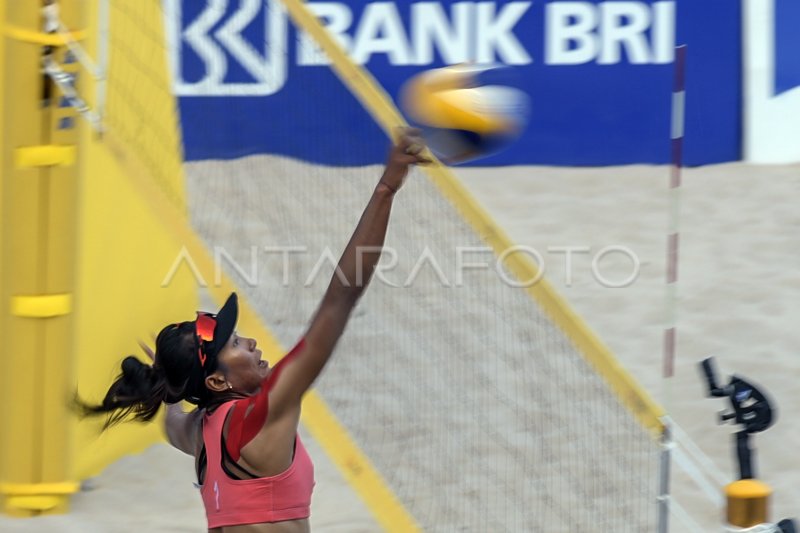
673	221
670	300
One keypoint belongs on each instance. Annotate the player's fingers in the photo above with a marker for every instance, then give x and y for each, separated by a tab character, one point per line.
416	159
414	148
409	138
406	131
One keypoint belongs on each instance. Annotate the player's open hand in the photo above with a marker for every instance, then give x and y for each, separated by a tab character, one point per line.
409	149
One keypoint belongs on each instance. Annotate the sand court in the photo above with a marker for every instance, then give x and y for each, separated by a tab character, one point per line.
739	288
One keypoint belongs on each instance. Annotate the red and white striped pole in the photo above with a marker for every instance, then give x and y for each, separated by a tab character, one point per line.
670	301
678	114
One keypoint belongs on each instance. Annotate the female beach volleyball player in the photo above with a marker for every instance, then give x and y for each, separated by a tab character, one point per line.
254	472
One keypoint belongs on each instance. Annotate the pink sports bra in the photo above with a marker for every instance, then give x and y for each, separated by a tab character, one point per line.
229	501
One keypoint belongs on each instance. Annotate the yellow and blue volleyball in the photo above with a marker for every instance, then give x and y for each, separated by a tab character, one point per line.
464	113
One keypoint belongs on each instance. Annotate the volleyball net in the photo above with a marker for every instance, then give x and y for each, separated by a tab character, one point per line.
481	401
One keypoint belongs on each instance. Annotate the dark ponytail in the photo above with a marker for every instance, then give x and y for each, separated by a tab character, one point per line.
140	389
138	393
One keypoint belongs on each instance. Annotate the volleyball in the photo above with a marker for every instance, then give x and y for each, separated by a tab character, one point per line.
465	111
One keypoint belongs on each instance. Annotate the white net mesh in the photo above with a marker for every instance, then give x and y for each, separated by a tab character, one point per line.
476	409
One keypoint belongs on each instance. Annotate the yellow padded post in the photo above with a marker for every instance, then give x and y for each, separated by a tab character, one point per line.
37	257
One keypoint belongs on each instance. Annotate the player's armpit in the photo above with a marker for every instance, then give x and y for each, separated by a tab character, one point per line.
182	428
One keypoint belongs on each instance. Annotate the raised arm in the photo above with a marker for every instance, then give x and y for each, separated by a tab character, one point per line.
356	266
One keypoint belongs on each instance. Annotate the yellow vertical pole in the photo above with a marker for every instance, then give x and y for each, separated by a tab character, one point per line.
21	228
61	260
39	194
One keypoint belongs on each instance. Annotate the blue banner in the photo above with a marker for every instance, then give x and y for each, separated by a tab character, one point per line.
787	45
599	75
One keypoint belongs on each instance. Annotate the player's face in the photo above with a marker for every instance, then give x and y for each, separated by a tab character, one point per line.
244	368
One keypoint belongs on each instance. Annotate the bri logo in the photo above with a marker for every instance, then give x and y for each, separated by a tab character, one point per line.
214	36
240	47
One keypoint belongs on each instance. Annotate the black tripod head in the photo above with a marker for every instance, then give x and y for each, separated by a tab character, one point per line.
750	406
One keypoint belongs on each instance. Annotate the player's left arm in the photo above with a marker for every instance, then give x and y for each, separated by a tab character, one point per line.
182	428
